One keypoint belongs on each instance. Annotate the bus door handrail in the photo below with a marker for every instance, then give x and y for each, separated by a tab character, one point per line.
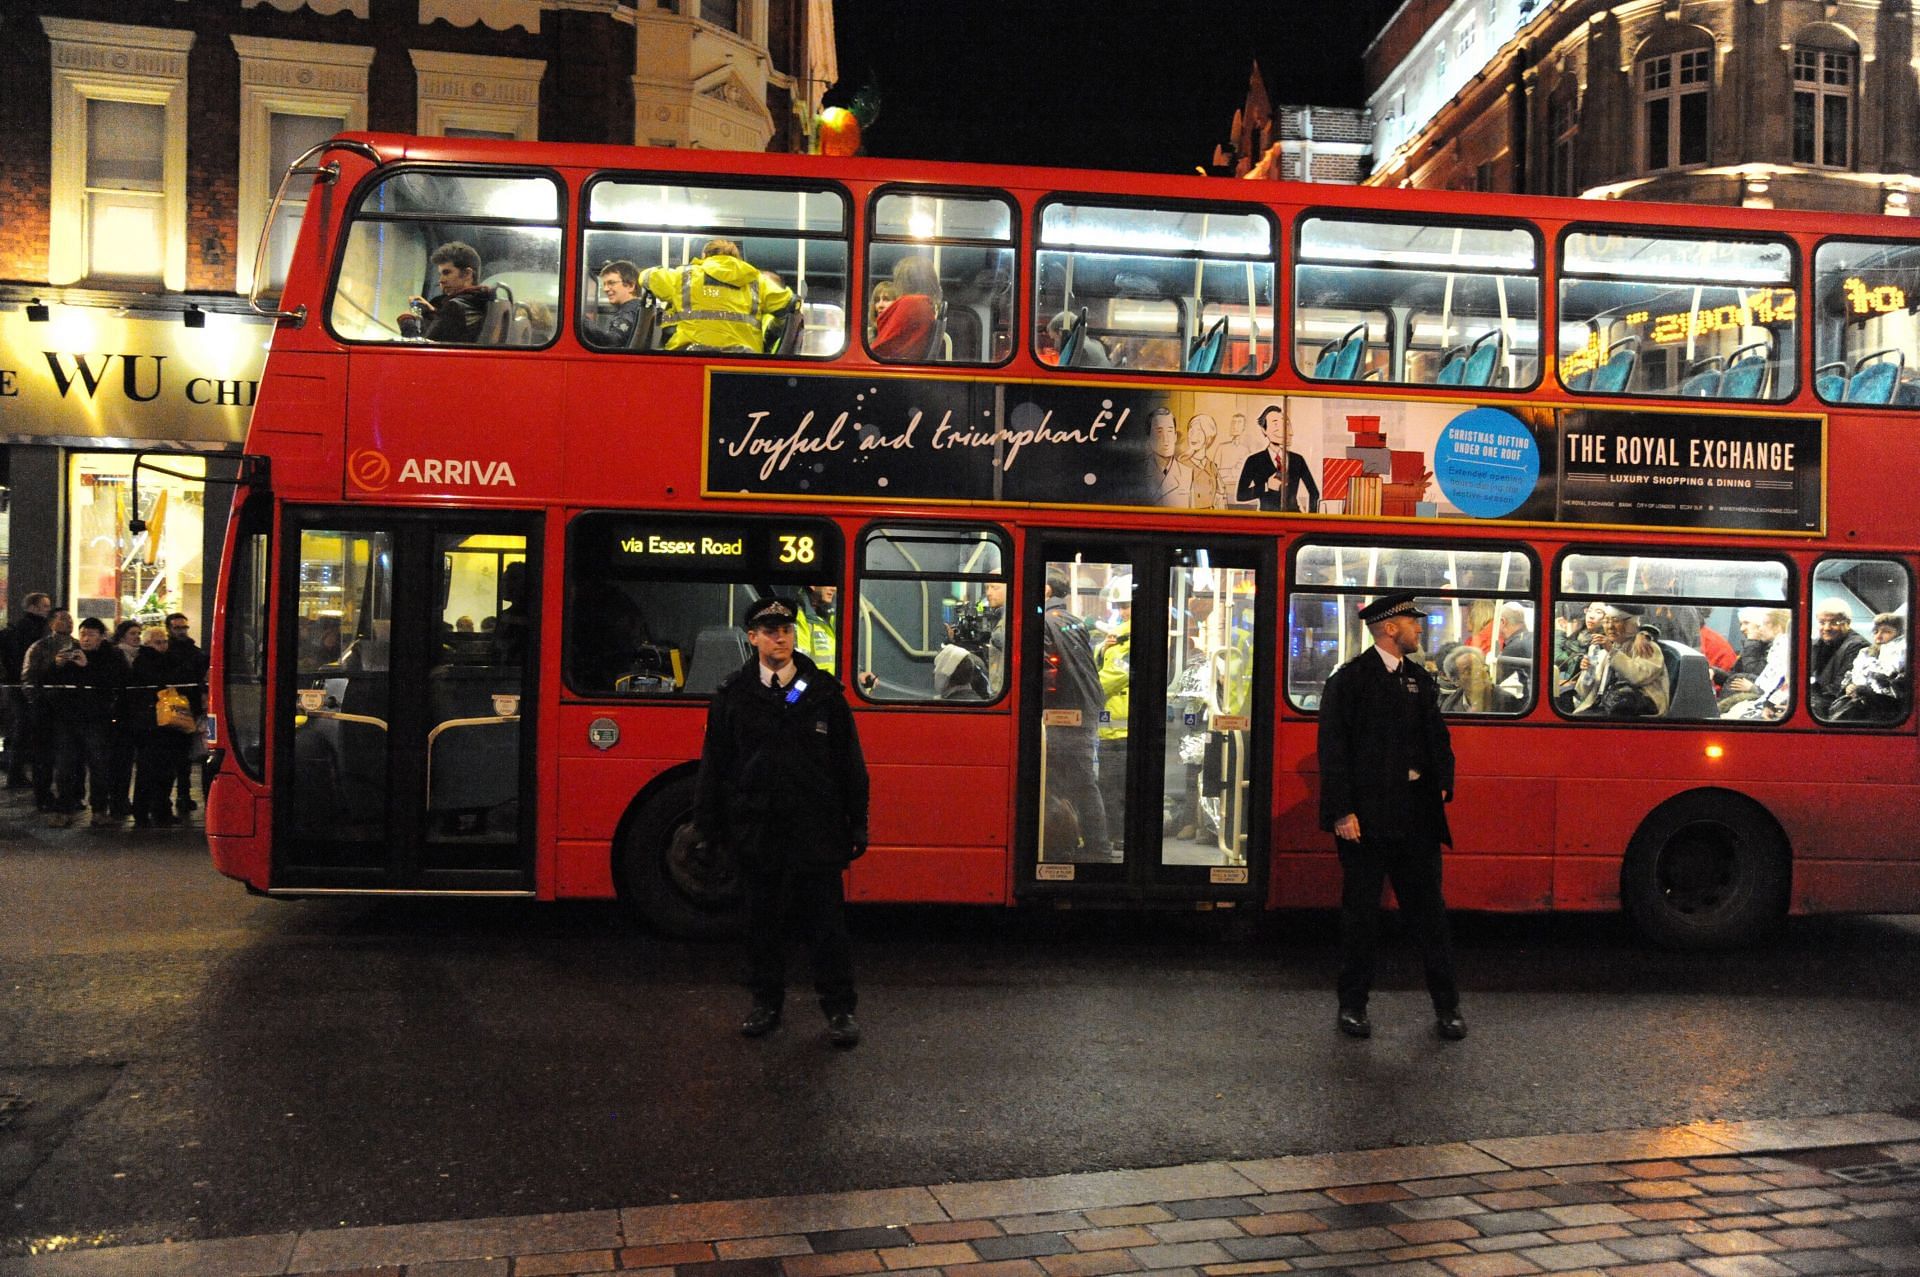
323	174
441	726
339	717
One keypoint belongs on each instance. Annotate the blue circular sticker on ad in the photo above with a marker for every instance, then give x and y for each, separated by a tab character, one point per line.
1486	463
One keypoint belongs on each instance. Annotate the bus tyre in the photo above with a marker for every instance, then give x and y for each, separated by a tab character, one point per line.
1707	870
681	884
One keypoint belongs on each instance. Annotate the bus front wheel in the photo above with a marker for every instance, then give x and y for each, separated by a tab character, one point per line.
682	885
1706	871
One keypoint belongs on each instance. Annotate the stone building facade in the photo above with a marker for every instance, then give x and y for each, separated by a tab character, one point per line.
1767	103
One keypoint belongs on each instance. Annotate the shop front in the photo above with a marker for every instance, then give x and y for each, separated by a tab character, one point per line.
83	388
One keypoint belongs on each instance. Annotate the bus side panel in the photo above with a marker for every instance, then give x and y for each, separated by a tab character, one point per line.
595	788
1853	845
296	421
934	839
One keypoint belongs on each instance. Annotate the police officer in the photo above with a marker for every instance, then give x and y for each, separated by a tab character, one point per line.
718	302
784	786
813	628
1386	773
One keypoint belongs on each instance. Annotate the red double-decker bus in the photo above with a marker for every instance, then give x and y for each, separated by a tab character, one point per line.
1082	478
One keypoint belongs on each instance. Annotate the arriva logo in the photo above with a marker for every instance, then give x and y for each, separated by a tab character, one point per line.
370	471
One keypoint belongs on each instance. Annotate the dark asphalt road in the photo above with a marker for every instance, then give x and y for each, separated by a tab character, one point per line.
201	1063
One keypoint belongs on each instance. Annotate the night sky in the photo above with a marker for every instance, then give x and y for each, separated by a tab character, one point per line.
1147	85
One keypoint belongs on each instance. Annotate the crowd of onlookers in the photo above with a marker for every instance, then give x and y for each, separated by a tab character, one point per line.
102	722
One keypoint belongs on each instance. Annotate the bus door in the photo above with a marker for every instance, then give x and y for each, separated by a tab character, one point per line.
1145	719
411	644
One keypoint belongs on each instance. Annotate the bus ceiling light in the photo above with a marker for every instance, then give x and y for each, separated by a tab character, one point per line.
38	312
920	224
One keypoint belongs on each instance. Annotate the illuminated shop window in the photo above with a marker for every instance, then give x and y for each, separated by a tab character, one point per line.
115	573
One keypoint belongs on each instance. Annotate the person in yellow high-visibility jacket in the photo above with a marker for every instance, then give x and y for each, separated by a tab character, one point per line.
719	302
813	627
1115	662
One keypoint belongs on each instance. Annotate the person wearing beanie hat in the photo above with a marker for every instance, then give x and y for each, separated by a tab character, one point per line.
1386	775
1624	674
783	789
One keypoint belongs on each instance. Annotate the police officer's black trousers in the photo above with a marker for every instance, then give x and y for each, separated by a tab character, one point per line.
1413	865
812	899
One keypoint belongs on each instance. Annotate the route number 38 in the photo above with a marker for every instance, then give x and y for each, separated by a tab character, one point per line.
796	549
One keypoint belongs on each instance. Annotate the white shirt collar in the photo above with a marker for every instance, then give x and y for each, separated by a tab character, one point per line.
770	679
1389	659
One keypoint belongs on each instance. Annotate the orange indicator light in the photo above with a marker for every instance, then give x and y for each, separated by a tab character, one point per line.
1716	751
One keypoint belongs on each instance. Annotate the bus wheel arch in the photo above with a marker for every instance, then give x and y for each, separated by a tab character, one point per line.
1707	869
680	885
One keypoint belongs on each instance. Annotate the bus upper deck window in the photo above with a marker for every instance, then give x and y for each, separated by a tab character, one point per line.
1417	303
442	256
1867	344
940	278
670	265
1155	289
1697	318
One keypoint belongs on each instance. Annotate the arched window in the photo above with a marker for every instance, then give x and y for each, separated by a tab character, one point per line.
1674	74
1826	69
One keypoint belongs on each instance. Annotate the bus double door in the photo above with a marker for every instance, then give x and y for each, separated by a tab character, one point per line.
405	762
1145	720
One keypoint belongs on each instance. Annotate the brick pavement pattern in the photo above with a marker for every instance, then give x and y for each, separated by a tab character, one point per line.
1778	1198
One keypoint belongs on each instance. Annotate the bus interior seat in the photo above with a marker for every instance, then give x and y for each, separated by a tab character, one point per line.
1612	376
938	347
1875	376
823	330
499	317
1070	342
792	325
718	650
1580	380
1483	356
1353	353
1703	379
1453	368
1830	381
1323	366
1746	373
1689	682
520	327
1208	350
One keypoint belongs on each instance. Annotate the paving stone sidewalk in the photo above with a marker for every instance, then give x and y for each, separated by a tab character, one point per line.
1776	1198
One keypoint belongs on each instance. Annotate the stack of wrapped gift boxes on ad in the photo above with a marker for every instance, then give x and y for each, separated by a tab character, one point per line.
1375	479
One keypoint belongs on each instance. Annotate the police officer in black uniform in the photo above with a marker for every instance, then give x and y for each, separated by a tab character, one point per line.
783	786
618	282
1386	775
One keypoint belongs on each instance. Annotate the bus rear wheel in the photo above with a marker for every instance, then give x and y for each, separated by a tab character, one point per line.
682	885
1706	871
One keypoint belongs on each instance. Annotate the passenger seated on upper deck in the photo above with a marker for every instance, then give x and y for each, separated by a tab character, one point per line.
1624	673
717	302
460	311
619	293
1876	689
905	329
1090	354
1763	695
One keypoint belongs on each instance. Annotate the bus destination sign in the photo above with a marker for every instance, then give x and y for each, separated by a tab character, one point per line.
1205	448
699	547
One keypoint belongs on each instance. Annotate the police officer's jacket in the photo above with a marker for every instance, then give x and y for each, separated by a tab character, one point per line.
717	302
1375	727
782	779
